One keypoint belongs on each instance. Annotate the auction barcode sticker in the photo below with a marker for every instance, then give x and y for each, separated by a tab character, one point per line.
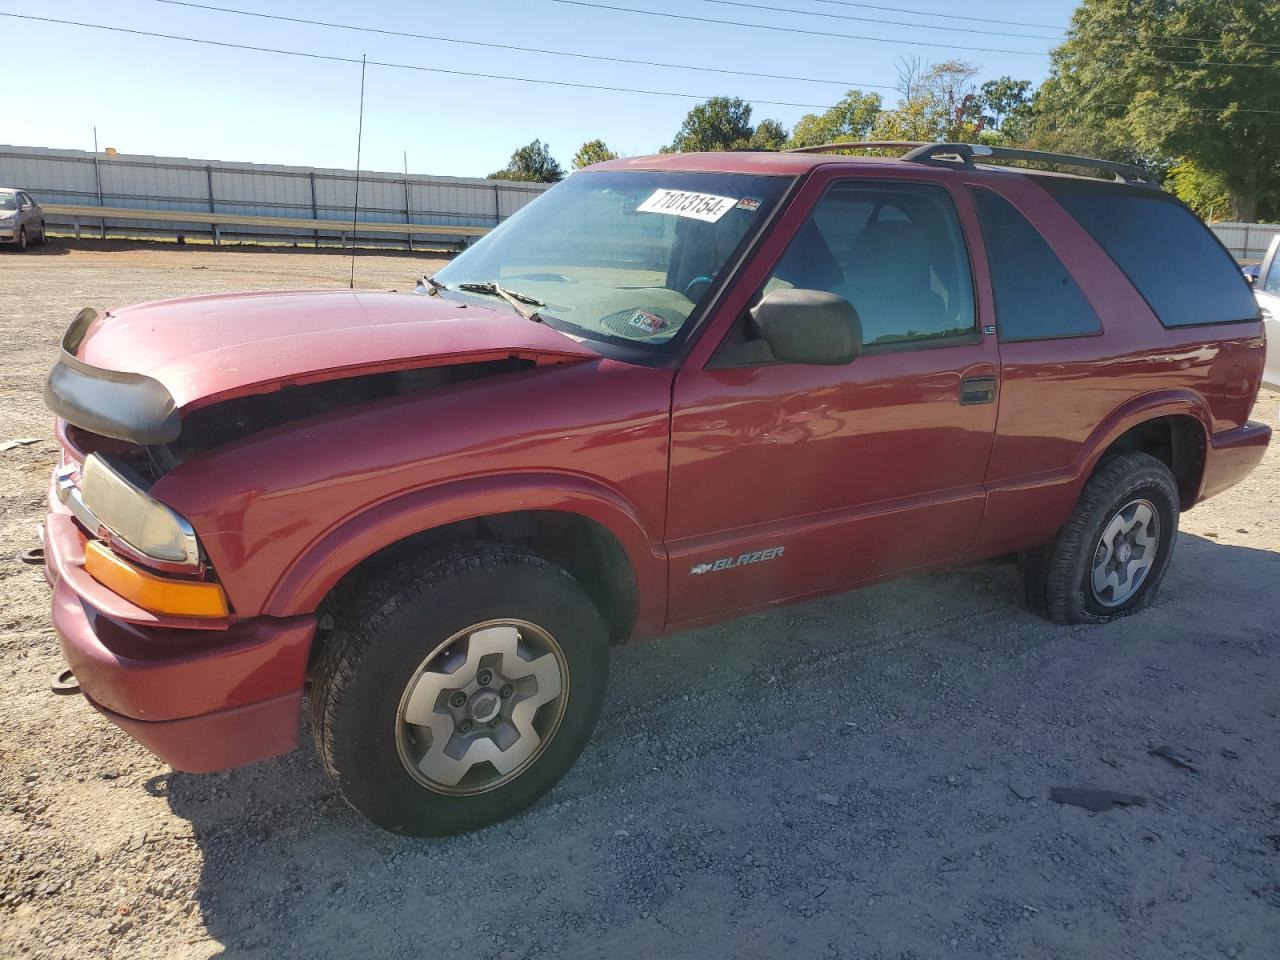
682	203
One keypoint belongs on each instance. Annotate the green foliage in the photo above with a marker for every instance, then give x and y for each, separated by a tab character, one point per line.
940	103
850	119
769	135
1004	100
721	123
593	151
1205	193
1158	79
533	162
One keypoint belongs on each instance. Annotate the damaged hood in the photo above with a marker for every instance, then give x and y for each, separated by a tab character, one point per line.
192	352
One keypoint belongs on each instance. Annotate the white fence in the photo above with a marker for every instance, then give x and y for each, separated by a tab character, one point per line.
1246	241
178	185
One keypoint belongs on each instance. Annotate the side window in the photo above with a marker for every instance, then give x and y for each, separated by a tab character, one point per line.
1036	296
1172	259
894	251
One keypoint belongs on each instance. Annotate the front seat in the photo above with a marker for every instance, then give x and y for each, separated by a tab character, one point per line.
888	280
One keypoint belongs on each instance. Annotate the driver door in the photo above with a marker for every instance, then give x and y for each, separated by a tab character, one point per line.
789	480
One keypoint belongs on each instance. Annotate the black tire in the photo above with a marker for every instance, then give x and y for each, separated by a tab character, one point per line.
1057	578
44	235
22	239
378	645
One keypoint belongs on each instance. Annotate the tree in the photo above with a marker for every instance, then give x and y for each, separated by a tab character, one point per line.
532	163
1160	80
1002	99
850	119
593	151
721	123
938	103
769	135
1205	193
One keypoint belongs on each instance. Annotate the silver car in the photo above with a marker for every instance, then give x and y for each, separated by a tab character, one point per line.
1266	289
21	219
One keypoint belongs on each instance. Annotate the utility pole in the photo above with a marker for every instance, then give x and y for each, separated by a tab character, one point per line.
97	176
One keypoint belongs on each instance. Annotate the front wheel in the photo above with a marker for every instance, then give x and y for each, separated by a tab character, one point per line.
1109	559
459	690
22	239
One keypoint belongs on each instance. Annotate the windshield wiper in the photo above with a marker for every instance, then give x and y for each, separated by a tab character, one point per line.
520	301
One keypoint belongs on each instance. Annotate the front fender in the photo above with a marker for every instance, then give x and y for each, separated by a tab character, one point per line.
313	574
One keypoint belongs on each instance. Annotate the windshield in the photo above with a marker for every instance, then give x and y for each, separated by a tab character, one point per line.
8	201
623	256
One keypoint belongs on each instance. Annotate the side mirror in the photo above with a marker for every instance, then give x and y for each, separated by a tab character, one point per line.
809	326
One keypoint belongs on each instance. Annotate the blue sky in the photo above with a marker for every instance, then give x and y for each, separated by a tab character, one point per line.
178	99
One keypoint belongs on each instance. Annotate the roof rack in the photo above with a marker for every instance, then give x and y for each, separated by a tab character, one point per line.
964	154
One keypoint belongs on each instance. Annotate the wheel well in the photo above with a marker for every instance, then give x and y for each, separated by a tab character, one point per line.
581	546
1178	441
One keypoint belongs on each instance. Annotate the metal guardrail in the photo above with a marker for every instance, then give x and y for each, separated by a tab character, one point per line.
76	213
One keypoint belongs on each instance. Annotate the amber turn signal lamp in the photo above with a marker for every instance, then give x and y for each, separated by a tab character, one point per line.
178	598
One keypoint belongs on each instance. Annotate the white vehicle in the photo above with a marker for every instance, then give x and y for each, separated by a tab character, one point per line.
21	219
1267	290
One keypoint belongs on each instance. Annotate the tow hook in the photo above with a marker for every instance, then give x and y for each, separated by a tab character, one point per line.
65	684
34	557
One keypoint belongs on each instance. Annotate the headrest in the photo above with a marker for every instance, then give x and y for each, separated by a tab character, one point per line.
891	250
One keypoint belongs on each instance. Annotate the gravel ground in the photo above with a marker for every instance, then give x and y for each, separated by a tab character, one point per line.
865	776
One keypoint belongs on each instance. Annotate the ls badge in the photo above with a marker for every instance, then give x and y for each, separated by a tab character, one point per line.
728	563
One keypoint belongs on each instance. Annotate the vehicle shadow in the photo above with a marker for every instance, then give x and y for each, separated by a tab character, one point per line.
51	248
710	802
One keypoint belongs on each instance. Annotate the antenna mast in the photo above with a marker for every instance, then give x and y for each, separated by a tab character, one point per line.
355	206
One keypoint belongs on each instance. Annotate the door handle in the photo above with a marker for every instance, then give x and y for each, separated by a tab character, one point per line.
977	390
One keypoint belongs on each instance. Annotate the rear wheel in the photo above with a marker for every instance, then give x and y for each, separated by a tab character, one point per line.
460	690
1112	554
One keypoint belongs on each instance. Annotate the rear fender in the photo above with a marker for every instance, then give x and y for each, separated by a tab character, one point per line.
1137	411
316	572
1028	511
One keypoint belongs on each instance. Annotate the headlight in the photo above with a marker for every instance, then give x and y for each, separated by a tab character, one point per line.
129	514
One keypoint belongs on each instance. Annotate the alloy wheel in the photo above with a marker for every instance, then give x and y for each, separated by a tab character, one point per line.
1125	553
482	707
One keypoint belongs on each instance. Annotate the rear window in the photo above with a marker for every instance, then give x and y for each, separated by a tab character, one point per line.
1173	260
1036	296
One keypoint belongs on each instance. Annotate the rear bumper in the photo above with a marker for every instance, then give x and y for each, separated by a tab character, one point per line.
1232	455
200	699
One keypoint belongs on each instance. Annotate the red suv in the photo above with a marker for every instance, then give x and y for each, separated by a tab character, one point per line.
670	391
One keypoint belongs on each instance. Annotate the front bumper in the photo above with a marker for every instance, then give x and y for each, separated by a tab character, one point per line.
201	699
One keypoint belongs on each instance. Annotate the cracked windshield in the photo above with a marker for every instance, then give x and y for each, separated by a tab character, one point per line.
622	256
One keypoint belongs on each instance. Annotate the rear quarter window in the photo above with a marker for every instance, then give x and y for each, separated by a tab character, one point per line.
1037	298
1172	258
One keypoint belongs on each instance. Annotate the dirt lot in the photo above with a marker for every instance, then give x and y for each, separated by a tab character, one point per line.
865	776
